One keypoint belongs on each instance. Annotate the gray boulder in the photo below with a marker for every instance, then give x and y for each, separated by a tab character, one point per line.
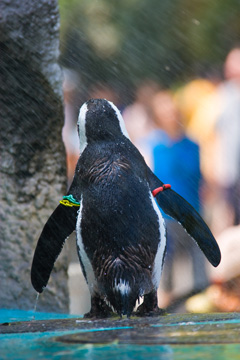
32	172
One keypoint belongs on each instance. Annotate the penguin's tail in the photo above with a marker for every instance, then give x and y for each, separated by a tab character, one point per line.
125	295
122	297
123	286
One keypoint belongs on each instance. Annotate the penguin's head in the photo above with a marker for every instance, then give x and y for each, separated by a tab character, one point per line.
99	120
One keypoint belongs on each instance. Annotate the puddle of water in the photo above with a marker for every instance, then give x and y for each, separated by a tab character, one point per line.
44	346
26	346
230	321
12	315
207	352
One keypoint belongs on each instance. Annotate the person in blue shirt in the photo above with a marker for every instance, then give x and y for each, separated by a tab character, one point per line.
175	160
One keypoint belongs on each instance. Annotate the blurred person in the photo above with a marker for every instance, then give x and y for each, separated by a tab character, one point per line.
213	113
175	157
69	132
217	123
223	295
199	101
175	160
228	130
137	116
190	98
103	90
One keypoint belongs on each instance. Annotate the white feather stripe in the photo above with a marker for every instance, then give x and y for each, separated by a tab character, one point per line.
122	286
91	280
120	119
159	258
82	127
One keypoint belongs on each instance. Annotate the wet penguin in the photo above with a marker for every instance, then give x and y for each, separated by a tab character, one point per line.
121	235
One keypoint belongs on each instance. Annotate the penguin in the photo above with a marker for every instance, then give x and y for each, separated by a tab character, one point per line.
113	204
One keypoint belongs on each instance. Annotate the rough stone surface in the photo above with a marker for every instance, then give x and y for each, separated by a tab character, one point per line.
169	329
32	173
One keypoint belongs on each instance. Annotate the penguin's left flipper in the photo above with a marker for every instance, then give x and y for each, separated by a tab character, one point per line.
179	209
59	226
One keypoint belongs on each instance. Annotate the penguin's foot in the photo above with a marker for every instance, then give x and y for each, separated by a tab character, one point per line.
99	309
142	312
149	306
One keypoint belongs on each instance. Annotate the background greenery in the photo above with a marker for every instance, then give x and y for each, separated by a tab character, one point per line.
126	41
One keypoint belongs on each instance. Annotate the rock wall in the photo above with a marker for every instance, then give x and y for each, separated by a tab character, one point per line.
32	154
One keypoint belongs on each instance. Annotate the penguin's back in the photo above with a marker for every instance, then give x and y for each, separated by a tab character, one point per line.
116	198
119	225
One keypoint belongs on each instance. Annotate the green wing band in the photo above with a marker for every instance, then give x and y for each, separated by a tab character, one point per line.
69	200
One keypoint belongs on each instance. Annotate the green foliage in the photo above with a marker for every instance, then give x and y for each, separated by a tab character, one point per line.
166	40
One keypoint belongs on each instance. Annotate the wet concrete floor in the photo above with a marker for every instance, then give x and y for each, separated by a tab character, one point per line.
185	336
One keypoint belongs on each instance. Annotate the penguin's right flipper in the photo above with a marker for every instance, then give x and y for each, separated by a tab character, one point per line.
59	226
179	209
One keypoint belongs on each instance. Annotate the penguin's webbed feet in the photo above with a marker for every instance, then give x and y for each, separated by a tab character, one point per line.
149	307
99	309
142	312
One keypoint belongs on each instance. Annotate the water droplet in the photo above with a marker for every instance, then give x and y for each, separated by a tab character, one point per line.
35	306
